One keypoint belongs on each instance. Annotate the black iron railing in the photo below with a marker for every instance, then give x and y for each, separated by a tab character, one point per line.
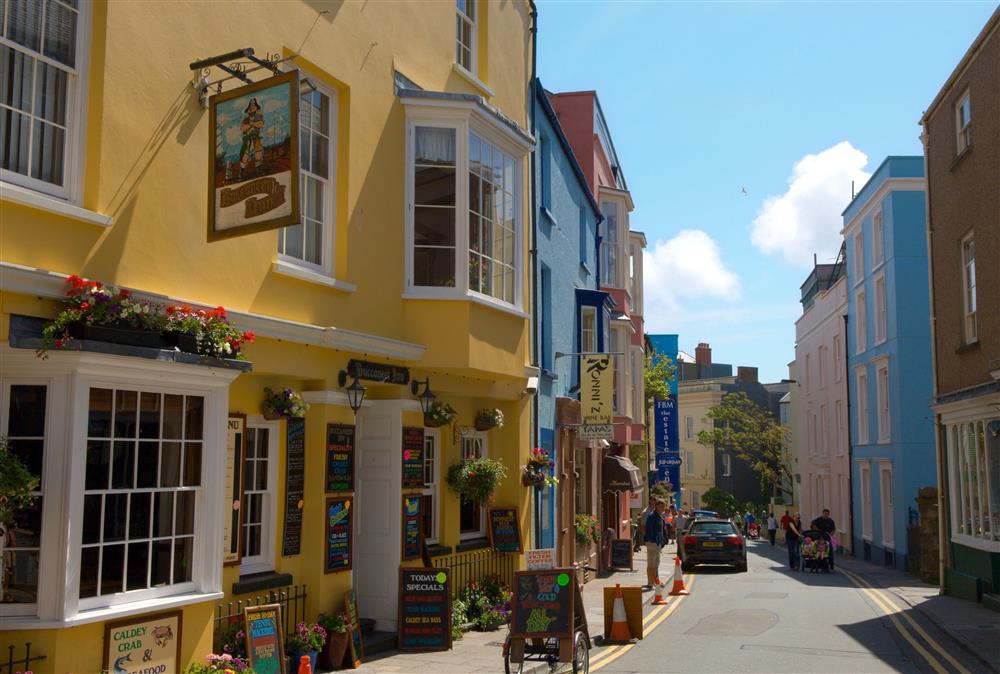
476	566
19	664
292	600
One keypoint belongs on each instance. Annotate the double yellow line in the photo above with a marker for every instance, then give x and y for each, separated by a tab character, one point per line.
883	600
649	623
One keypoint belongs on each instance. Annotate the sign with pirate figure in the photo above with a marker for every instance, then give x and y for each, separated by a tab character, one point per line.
254	158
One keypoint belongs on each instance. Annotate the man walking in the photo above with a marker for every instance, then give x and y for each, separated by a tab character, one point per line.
772	528
826	524
640	530
655	539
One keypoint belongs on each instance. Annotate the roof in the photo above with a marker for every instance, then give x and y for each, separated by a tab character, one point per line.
893	166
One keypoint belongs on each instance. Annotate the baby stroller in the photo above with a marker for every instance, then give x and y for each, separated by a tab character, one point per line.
815	550
753	531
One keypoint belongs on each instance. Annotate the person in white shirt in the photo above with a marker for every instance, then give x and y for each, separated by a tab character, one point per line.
772	528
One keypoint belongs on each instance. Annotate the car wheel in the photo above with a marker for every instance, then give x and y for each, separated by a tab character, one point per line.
686	567
741	567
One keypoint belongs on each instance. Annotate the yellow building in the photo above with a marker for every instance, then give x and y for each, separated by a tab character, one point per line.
104	176
694	399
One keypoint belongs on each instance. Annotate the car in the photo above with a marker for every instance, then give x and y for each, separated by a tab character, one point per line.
712	541
711	514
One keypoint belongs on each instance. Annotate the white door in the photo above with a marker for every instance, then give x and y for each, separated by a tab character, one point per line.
378	519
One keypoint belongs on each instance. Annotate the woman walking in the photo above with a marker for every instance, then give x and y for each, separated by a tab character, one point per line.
793	535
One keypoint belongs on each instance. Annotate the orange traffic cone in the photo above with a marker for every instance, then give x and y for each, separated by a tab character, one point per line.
678	587
619	623
658	597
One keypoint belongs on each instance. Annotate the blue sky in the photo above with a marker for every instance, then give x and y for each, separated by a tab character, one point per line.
790	100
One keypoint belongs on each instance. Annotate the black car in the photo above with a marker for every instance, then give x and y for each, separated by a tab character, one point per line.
712	541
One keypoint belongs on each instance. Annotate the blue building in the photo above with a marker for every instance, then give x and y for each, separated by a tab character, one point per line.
889	358
571	316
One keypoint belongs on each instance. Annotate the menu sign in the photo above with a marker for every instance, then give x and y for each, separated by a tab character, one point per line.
505	535
542	604
621	553
232	525
338	535
413	458
295	483
356	648
265	641
339	457
150	643
424	609
412	526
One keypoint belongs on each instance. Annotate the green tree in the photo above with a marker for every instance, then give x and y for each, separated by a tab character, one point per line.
657	375
719	500
751	433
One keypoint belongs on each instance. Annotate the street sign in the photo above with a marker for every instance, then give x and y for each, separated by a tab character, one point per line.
596	432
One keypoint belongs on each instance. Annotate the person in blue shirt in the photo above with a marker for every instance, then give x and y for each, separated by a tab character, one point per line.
655	537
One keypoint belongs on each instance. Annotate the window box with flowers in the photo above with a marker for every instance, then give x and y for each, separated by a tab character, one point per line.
203	331
537	471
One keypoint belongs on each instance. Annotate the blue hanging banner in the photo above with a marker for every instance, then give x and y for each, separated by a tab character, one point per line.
666	433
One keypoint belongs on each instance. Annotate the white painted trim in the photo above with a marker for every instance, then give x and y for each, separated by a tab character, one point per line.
29	280
977	543
269	539
338	398
473	80
875	278
875	200
284	267
100	615
44	202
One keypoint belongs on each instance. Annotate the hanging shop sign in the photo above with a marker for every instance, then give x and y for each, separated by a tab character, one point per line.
295	483
542	604
380	372
424	609
666	438
339	457
253	158
339	532
355	647
413	458
150	643
412	527
596	432
505	534
232	524
265	638
597	382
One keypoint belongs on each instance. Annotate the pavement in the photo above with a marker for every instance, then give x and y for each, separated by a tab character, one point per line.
861	618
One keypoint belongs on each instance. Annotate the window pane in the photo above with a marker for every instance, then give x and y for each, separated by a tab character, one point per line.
125	414
60	33
123	465
434	146
47	153
434	267
98	464
50	93
112	568
15	135
89	561
17	72
434	186
475	193
183	555
149	416
184	523
99	416
173	407
320	150
170	464
163	514
27	527
138	565
293	241
115	510
92	518
24	24
474	272
192	464
474	233
27	411
194	418
148	459
138	517
160	563
433	226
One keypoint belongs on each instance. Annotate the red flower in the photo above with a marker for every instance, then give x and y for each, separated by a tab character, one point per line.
248	336
186	308
123	293
85	305
59	343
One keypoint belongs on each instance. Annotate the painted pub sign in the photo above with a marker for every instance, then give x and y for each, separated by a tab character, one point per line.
254	158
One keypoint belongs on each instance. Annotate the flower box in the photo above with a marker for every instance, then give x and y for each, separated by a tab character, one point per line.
116	334
182	341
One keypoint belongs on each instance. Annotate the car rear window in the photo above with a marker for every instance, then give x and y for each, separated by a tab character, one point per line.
712	528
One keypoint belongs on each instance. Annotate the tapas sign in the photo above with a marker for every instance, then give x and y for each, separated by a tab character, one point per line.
505	534
413	458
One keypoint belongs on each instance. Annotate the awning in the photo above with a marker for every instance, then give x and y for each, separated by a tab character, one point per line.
620	474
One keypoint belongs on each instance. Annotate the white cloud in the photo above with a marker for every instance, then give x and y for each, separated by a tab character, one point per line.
806	218
688	266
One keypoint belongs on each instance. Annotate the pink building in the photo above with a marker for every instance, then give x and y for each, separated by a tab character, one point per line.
821	411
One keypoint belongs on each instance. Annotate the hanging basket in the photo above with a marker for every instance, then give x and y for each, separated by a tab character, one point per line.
530	478
271	415
484	425
431	422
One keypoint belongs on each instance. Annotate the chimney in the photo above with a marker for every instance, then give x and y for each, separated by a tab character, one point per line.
703	354
747	374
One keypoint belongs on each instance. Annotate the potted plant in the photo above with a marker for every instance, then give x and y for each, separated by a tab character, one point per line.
204	331
305	640
439	414
220	664
489	418
283	403
103	313
475	480
588	530
535	473
332	655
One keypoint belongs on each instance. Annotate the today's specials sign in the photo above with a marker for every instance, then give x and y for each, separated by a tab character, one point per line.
254	158
424	609
148	644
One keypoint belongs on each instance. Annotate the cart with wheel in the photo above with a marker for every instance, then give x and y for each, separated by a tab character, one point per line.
548	622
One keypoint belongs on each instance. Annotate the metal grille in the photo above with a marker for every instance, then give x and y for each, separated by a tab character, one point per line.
292	600
19	664
476	566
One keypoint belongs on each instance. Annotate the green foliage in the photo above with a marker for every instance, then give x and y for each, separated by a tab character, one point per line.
657	375
459	617
719	500
662	489
284	403
486	603
219	664
440	414
475	480
489	418
333	623
588	529
16	484
751	433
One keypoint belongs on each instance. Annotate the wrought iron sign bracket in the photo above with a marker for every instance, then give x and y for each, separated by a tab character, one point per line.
236	65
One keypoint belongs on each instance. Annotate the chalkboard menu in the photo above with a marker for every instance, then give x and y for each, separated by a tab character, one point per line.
339	457
412	527
338	535
295	482
621	553
265	641
542	604
505	535
356	648
413	458
424	609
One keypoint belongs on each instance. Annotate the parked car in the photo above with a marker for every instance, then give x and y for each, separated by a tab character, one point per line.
712	541
702	514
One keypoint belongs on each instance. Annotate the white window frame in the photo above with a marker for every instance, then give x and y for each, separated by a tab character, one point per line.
484	451
878	237
860	322
821	363
808	372
611	247
838	411
885	500
864	476
588	344
464	119
689	462
473	23
824	420
71	375
727	465
970	457
881	310
688	428
433	489
328	255
76	115
269	521
963	123
838	354
883	400
859	257
811	439
861	388
618	344
969	300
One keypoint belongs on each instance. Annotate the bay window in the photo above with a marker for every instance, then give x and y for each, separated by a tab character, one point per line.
973	444
609	244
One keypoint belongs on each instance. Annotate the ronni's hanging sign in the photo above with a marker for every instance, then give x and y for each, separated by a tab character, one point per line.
254	158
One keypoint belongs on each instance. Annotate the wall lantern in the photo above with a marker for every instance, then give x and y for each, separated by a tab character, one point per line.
426	398
355	392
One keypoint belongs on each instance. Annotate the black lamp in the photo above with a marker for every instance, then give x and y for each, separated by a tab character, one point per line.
355	392
427	397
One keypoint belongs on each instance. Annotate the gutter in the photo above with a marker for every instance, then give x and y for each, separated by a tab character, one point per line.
850	445
535	318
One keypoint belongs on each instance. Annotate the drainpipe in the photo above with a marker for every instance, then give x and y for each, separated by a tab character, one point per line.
938	449
535	317
850	445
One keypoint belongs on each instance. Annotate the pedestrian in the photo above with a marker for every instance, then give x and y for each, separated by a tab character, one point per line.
640	530
654	538
826	524
680	524
772	528
792	536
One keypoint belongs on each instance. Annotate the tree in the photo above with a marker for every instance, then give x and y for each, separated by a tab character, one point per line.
719	500
657	375
751	433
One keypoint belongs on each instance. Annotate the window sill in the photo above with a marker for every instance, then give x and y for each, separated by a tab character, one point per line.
435	550
965	348
473	544
473	80
960	156
43	202
418	294
290	270
267	580
586	269
548	214
120	611
973	542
